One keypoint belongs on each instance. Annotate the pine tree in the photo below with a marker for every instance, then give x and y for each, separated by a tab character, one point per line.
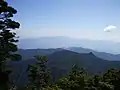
8	40
39	73
75	80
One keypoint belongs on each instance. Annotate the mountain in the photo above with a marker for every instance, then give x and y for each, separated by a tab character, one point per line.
30	53
103	55
60	63
60	42
65	59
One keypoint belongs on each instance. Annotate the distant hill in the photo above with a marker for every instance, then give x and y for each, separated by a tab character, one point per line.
61	61
30	53
103	55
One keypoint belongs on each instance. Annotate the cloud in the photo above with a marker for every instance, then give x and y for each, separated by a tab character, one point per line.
109	28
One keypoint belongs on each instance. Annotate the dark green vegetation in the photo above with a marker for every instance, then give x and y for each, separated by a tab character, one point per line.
8	41
59	69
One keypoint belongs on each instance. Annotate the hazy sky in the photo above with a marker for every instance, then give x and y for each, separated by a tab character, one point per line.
91	19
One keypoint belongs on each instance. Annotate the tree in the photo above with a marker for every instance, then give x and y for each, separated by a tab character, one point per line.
8	40
99	82
38	74
52	87
75	80
112	76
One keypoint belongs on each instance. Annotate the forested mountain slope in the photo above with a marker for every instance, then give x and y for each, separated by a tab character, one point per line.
61	62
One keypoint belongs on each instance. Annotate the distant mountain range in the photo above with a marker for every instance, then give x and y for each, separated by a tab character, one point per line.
103	55
29	53
60	42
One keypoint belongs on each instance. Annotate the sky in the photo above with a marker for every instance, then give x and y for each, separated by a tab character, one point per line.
88	19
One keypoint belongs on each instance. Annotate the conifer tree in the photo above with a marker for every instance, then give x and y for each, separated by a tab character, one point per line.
8	40
38	74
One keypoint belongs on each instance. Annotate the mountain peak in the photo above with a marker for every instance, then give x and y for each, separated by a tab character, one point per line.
91	53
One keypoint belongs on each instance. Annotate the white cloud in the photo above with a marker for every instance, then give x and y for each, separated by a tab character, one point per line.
109	28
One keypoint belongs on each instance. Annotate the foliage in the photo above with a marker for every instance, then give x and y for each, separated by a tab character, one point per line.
52	87
113	78
39	74
8	40
78	79
75	80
